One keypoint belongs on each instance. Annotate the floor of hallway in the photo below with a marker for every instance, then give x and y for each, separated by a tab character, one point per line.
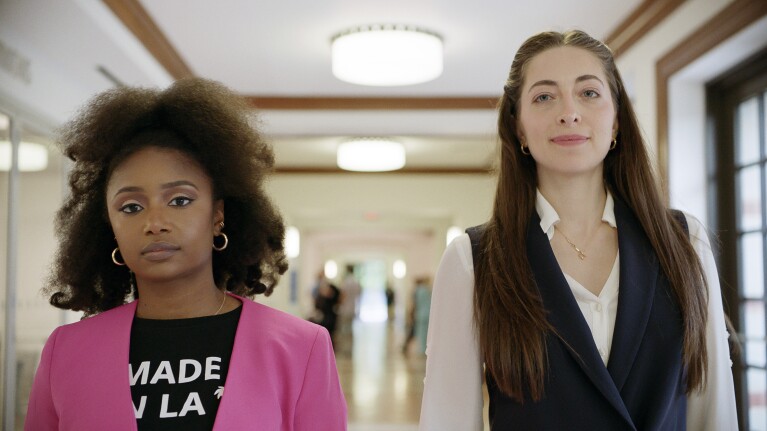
383	386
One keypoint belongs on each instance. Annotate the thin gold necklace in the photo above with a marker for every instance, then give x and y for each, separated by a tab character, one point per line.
581	254
221	306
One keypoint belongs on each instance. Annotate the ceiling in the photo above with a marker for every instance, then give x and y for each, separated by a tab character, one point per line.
278	55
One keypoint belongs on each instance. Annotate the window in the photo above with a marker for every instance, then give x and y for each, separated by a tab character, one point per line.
28	202
737	106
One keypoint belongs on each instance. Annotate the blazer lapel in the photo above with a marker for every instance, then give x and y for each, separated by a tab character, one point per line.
250	398
566	317
235	403
124	396
105	359
639	270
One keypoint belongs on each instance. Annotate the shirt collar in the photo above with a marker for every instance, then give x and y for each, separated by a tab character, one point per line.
549	216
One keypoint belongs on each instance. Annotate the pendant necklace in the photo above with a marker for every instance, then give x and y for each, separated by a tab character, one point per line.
581	254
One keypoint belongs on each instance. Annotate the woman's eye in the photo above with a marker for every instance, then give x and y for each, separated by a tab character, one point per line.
542	98
590	94
180	201
130	208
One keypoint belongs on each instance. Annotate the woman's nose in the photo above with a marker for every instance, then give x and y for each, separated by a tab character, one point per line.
569	118
156	222
569	114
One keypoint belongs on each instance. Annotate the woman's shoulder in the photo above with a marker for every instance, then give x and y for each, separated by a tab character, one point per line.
696	230
459	252
278	336
276	322
122	314
454	280
108	331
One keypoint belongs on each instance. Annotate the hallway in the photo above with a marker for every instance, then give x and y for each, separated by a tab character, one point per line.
383	387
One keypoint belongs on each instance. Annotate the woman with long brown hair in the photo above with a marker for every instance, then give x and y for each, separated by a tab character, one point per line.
586	302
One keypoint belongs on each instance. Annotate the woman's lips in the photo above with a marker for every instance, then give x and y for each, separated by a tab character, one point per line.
568	140
159	251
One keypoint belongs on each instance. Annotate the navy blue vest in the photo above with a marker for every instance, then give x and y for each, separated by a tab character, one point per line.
643	385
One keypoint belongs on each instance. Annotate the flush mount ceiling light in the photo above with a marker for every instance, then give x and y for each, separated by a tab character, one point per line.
370	155
386	55
32	157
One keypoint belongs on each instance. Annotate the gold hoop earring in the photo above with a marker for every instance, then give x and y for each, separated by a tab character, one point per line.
522	148
614	144
226	242
114	257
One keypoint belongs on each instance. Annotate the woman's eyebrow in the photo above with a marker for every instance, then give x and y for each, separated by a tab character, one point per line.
128	189
172	184
588	77
542	82
581	78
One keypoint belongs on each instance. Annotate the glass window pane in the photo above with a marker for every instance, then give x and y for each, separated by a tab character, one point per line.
749	181
764	114
757	399
756	353
751	260
40	195
747	132
753	319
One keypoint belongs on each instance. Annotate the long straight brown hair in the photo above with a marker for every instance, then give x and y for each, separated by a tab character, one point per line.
508	310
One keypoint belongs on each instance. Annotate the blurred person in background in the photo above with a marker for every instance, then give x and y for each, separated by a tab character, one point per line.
348	310
422	307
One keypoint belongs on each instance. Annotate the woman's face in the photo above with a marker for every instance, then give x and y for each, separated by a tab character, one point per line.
567	118
161	208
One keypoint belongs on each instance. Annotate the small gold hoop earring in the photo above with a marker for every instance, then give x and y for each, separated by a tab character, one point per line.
614	144
114	257
226	242
524	150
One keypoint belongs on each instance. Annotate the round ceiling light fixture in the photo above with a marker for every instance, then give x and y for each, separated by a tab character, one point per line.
386	55
370	155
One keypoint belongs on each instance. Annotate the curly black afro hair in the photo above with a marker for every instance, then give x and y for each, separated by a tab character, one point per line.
210	124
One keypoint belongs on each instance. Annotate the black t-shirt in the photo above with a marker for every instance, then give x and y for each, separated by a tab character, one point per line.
178	368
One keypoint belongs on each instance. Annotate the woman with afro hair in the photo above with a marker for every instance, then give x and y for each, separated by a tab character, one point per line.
166	233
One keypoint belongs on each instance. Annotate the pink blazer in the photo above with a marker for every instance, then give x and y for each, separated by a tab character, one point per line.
282	376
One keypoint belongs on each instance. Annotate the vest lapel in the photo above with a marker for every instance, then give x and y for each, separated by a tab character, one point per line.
565	316
639	271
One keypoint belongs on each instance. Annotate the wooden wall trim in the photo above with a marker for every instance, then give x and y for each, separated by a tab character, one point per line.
649	14
372	103
728	22
140	23
137	20
404	171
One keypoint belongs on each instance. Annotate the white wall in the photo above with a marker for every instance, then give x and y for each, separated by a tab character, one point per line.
637	65
44	68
